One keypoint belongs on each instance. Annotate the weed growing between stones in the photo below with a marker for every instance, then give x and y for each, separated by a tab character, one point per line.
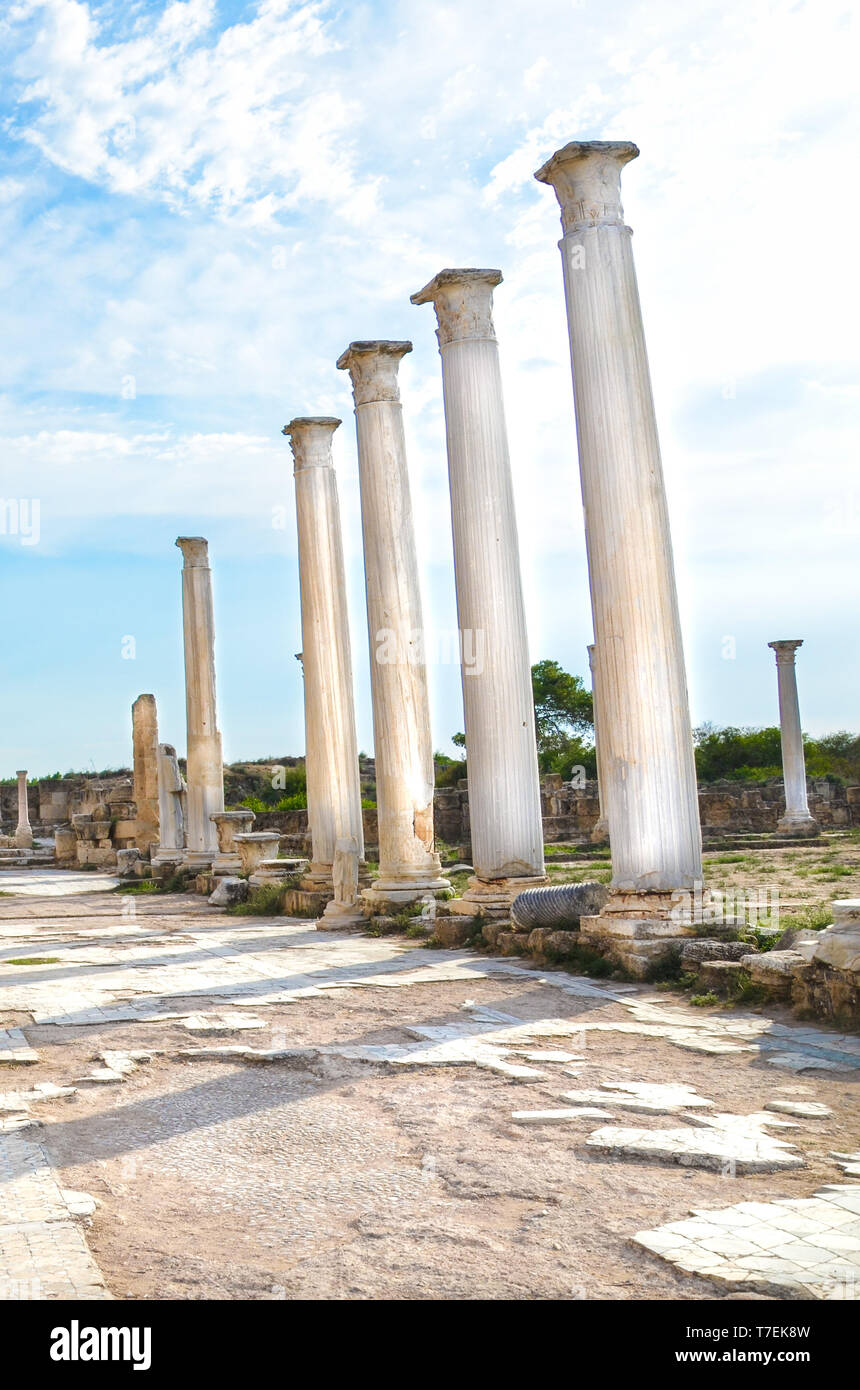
746	991
269	900
704	1001
666	969
580	960
811	918
33	960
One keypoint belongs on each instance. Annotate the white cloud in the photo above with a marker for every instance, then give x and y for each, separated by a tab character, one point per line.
224	121
375	144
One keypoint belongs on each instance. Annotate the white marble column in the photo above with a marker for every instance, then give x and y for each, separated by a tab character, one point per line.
403	748
23	833
600	833
204	772
649	789
331	749
796	819
501	751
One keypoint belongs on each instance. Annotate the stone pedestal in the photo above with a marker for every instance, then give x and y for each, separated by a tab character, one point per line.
408	864
65	846
504	791
228	824
205	773
636	930
254	846
334	792
171	808
144	724
796	819
276	871
600	833
492	898
344	910
649	786
23	833
839	945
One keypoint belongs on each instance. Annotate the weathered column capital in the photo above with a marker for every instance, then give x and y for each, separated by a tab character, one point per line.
586	176
463	300
21	772
785	650
373	367
310	440
195	552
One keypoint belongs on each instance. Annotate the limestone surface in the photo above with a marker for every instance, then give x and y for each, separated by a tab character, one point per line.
801	1248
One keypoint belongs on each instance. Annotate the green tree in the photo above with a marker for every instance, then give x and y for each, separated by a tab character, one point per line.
563	707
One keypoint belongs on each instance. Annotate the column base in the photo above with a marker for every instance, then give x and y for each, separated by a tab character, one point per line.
342	917
797	825
166	860
389	896
199	859
23	839
226	865
492	897
638	929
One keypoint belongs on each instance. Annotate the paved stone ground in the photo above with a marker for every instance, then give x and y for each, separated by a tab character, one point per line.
262	1111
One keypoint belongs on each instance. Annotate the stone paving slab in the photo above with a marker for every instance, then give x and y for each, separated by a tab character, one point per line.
642	1097
280	961
15	1051
800	1248
42	1246
126	961
734	1149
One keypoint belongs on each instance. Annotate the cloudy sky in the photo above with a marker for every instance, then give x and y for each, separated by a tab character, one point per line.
202	203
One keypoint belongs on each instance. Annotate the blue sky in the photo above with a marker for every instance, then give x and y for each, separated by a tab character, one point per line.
202	203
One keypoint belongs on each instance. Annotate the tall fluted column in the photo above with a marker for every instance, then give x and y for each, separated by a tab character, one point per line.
797	819
205	772
403	747
331	750
144	728
600	833
504	790
23	833
649	789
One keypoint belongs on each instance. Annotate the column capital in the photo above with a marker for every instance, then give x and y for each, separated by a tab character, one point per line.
195	552
21	772
310	440
463	300
785	650
586	176
373	366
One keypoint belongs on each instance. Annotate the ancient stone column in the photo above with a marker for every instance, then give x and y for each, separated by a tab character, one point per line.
504	790
171	808
650	785
334	794
204	772
600	833
796	819
23	833
144	723
403	747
